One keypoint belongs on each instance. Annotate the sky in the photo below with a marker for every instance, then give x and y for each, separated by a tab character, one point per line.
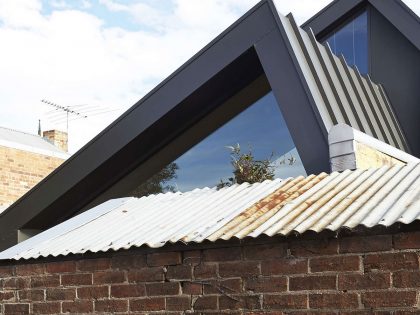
104	55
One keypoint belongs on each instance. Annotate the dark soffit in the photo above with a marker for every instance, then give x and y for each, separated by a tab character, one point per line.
395	11
254	45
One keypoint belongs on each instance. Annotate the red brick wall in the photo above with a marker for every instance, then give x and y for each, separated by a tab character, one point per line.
353	275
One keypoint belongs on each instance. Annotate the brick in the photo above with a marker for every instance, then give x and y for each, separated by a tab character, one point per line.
282	302
94	264
192	288
179	272
46	308
30	270
7	271
366	244
205	271
333	300
178	303
76	279
406	279
284	266
364	281
218	286
266	284
236	302
314	248
92	292
16	283
59	294
77	307
239	269
205	303
165	288
61	267
128	262
335	263
111	306
31	295
164	259
108	277
148	304
222	254
392	261
263	252
16	308
389	299
312	283
191	257
128	290
45	281
146	275
7	296
407	240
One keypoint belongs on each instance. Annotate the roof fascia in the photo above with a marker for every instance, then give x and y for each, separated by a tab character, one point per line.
395	11
121	147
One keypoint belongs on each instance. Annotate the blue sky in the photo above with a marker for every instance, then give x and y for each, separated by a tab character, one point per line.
107	54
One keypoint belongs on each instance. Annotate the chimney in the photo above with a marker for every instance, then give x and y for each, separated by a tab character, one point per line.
57	138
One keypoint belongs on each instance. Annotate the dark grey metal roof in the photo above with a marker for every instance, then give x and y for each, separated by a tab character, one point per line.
395	11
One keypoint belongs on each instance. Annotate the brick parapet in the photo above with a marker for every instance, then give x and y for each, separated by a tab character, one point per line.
376	274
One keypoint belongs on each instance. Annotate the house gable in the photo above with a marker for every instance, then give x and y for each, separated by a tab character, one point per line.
260	52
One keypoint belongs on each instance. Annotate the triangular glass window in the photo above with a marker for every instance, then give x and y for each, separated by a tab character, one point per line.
259	129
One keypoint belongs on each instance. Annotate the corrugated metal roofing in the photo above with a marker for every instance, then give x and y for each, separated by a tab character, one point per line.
29	142
371	197
341	93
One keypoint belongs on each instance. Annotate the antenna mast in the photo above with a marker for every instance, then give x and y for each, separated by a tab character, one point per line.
68	110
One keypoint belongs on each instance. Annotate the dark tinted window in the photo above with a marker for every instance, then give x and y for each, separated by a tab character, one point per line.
351	40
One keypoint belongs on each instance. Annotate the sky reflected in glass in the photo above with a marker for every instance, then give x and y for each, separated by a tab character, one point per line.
260	127
352	41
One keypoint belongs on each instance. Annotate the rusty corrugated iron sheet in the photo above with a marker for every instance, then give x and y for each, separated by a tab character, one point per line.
349	199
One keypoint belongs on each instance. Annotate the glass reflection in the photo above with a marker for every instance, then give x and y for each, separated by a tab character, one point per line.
352	41
260	128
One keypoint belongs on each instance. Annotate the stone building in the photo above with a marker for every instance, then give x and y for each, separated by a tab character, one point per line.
26	159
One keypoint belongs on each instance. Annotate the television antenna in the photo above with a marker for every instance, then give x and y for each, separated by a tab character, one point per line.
67	110
74	112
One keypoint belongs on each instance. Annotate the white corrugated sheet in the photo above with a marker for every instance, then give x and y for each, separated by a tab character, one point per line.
349	199
28	142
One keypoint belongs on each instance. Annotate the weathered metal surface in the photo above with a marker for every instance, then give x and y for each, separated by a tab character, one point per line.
349	199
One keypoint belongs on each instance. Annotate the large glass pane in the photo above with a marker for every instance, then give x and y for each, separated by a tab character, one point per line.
260	129
351	40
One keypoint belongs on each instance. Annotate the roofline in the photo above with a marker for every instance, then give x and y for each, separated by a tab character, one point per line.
32	149
395	11
255	44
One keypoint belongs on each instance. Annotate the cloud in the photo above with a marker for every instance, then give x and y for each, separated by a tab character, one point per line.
71	55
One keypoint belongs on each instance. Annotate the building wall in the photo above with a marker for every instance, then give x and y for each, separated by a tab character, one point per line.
20	171
376	274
